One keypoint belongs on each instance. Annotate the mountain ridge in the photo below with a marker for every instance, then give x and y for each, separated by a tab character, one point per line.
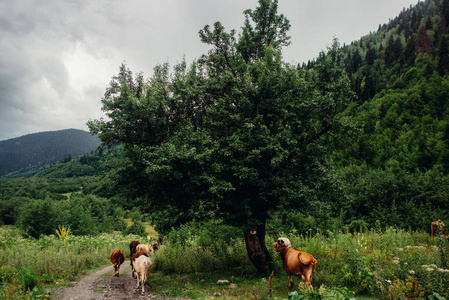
44	148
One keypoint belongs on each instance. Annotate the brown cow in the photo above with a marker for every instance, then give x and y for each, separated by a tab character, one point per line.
436	227
132	248
296	262
132	251
117	258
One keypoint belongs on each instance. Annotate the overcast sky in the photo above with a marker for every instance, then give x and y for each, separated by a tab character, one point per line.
58	56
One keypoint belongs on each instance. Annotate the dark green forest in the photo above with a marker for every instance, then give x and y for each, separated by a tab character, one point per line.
355	139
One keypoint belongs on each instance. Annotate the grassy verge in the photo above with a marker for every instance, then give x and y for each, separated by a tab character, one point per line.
393	264
242	283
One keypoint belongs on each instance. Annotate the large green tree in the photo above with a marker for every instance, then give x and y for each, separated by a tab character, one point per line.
234	136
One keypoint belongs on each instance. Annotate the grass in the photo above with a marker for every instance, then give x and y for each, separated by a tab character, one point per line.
247	284
393	264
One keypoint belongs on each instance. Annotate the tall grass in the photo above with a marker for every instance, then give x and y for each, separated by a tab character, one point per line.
394	264
391	264
26	262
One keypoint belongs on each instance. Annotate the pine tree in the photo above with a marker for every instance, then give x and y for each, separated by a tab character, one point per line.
423	43
443	56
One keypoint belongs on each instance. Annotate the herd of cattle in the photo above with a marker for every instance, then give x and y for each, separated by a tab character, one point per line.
294	261
141	263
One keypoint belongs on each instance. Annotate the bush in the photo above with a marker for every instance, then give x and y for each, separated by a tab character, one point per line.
203	246
7	274
39	217
136	228
28	278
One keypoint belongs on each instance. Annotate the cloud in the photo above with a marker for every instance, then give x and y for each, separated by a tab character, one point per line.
58	56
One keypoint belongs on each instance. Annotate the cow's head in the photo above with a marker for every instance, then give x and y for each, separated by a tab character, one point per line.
284	241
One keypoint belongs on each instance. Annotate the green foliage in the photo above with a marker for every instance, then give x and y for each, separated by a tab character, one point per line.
136	228
40	217
49	260
7	274
234	144
309	293
204	246
28	278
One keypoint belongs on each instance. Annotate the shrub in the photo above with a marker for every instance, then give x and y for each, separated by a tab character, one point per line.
7	274
203	246
136	228
28	278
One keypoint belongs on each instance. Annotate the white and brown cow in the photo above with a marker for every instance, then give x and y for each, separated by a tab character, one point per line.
142	265
296	262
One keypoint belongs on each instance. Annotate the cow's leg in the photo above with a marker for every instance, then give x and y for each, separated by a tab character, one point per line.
306	277
142	281
138	280
290	281
133	272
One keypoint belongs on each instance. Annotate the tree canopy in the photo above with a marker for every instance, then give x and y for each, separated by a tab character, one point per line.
236	135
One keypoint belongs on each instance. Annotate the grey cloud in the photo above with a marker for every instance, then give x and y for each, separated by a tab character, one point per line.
58	56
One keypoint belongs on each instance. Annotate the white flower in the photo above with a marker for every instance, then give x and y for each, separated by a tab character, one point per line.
430	269
442	270
388	281
411	272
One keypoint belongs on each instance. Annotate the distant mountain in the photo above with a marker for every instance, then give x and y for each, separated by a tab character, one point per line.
39	149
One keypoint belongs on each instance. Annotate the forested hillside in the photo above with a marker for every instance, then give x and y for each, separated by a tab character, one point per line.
34	151
398	164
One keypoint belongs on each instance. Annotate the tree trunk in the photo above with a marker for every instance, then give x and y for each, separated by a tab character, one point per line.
255	246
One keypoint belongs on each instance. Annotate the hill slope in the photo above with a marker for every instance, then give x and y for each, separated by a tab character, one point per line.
40	149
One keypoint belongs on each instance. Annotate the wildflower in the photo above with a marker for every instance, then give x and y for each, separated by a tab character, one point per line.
396	262
406	263
430	269
322	289
400	249
411	272
442	270
388	281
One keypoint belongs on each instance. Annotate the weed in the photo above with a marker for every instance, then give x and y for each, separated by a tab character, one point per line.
63	233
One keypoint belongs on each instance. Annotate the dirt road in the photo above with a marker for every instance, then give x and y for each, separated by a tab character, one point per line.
102	285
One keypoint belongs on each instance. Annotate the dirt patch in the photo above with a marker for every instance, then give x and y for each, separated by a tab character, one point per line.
102	285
